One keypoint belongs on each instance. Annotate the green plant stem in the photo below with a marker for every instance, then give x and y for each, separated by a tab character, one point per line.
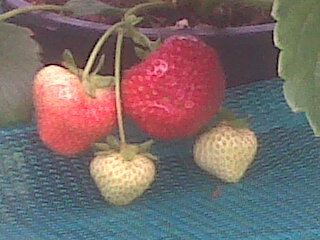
117	74
97	49
146	6
17	11
136	9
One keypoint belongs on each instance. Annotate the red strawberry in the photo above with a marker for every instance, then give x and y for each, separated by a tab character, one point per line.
176	90
69	120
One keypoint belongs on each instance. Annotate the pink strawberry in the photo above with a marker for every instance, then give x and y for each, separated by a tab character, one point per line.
176	90
69	120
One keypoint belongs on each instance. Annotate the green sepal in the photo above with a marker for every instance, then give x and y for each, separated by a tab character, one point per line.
102	146
137	37
95	82
133	20
229	116
101	62
239	123
150	156
113	142
69	62
155	44
104	153
146	146
226	114
89	88
143	44
141	53
102	81
111	145
128	151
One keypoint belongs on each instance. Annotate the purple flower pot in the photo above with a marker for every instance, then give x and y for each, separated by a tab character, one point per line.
248	53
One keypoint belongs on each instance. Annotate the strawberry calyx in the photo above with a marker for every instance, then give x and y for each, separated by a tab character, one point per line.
228	117
128	151
94	81
143	45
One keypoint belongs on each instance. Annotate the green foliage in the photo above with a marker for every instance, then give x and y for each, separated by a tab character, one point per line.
19	61
297	35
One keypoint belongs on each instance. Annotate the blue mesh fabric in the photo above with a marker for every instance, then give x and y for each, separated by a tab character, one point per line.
47	196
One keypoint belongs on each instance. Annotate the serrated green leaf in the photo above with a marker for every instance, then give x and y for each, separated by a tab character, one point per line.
88	7
19	62
297	35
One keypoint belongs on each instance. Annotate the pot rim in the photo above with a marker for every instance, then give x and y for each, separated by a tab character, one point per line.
58	20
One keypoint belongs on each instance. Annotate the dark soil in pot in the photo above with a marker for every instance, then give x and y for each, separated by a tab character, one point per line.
247	52
228	14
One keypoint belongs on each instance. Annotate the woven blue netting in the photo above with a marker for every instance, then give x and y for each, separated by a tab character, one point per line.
47	196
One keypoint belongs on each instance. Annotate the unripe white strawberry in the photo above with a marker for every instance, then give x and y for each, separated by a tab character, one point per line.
122	176
226	151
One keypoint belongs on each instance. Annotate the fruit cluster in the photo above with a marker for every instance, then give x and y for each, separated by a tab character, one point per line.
173	93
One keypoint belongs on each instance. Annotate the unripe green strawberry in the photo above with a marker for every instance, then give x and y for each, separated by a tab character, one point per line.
226	151
122	176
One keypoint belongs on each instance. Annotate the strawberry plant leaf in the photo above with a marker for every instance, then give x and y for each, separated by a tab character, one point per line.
19	62
88	7
297	35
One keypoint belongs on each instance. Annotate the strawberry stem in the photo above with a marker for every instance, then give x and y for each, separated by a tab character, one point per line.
127	20
117	74
97	48
18	11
